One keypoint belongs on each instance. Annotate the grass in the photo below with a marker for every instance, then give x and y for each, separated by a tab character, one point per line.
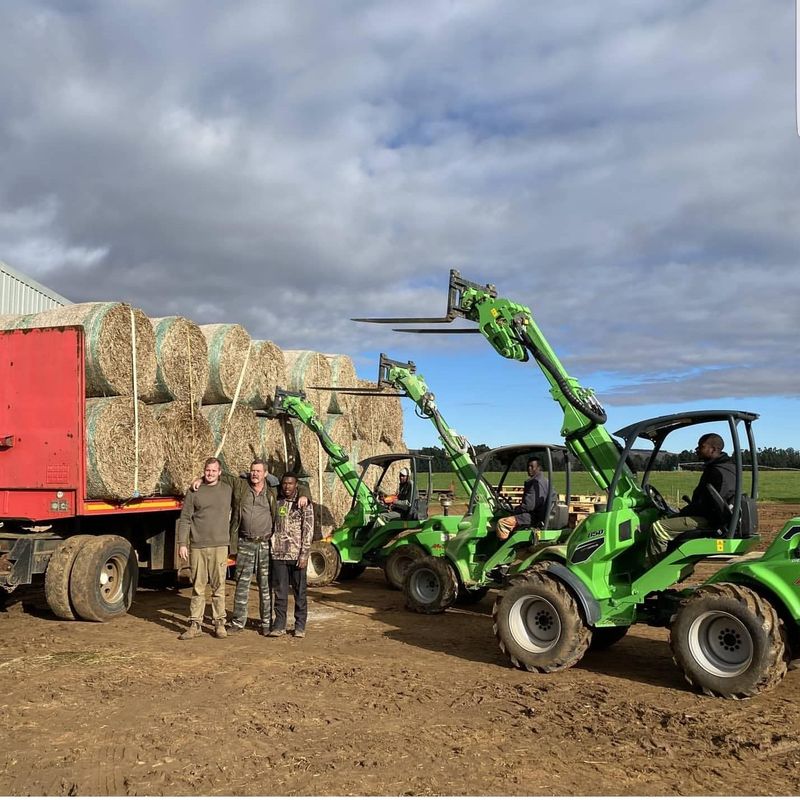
776	486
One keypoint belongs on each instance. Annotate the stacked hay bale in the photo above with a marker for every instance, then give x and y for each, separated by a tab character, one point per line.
164	394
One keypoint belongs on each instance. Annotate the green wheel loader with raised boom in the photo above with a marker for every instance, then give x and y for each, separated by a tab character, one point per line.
733	636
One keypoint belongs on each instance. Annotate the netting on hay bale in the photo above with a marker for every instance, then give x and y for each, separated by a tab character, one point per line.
273	445
343	373
188	442
181	360
271	370
337	503
124	460
392	418
108	335
10	322
306	368
340	429
230	365
238	434
365	414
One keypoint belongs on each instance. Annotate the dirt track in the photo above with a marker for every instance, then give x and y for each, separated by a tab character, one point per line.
374	701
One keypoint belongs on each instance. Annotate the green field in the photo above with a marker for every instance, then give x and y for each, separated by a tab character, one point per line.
776	486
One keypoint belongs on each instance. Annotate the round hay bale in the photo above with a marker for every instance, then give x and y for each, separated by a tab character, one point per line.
365	414
229	360
273	445
112	458
343	373
241	441
10	322
340	429
332	510
270	372
107	334
181	360
306	368
188	442
392	419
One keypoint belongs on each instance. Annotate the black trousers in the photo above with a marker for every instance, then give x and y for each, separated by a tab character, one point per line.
285	574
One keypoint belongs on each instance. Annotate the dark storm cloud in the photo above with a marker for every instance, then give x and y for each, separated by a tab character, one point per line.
629	170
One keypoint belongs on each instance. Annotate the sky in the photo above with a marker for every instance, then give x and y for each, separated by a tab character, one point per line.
629	170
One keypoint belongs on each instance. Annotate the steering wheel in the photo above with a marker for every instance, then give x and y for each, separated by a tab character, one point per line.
658	499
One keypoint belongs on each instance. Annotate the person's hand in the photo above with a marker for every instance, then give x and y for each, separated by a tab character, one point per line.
302	501
196	484
302	562
389	499
183	552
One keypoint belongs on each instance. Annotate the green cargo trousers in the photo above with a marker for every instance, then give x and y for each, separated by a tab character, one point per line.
209	565
667	529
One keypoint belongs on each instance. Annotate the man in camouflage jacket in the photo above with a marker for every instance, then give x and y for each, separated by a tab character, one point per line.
291	542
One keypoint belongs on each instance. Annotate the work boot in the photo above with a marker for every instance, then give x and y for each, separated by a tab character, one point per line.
219	630
234	628
192	631
277	632
299	634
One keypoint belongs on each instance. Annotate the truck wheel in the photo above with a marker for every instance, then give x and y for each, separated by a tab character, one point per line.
430	586
603	638
539	625
56	577
324	564
104	578
349	572
729	641
399	561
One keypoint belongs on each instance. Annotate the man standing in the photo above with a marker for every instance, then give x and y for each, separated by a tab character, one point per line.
252	518
204	523
294	529
703	511
531	511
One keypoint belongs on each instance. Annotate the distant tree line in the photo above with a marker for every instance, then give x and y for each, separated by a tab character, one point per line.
775	457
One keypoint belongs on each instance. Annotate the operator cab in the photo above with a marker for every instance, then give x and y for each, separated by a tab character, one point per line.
382	473
504	471
737	516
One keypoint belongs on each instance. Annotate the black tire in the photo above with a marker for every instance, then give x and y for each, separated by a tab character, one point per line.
729	641
398	563
324	564
56	577
539	624
431	585
104	578
603	638
349	572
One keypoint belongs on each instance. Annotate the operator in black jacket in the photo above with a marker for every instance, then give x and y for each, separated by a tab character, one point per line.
702	512
531	511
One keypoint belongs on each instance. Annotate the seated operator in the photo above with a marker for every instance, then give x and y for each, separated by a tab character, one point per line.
702	512
398	505
531	511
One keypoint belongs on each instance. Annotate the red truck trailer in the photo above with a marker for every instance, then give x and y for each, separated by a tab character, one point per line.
88	551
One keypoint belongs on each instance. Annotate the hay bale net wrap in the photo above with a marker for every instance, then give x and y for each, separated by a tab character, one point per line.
181	360
11	322
392	418
332	510
273	445
229	361
108	334
270	370
343	373
114	469
188	442
366	414
305	368
242	440
340	429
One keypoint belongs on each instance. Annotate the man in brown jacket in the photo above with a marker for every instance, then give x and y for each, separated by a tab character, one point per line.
204	523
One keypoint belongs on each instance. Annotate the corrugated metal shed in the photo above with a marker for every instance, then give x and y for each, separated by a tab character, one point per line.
20	294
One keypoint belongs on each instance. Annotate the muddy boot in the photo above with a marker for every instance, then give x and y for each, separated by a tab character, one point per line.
192	631
219	630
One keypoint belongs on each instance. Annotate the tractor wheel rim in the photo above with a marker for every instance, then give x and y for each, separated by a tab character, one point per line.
534	624
425	586
316	565
721	644
110	579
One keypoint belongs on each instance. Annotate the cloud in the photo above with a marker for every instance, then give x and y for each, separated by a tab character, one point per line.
629	171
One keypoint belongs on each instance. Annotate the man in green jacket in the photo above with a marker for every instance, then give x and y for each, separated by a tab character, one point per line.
204	523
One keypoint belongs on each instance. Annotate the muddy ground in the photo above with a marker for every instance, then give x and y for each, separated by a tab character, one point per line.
374	701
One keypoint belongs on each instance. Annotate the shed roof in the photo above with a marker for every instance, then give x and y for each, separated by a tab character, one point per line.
20	294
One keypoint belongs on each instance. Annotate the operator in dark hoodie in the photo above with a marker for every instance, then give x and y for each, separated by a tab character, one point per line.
702	513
